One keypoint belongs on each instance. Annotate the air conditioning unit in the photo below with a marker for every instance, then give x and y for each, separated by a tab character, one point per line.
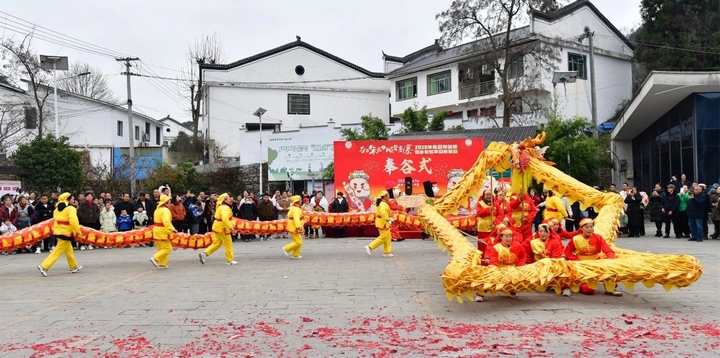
146	137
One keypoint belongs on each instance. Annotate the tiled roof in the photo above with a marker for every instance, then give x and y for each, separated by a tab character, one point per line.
432	48
454	53
287	46
577	5
489	135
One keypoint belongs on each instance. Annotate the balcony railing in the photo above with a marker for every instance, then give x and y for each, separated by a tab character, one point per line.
477	90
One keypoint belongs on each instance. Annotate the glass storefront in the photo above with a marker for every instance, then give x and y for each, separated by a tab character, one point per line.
686	140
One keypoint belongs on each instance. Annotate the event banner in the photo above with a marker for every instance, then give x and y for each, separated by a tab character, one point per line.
299	157
363	167
9	187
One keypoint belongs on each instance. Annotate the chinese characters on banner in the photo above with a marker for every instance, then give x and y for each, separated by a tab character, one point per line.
9	187
363	167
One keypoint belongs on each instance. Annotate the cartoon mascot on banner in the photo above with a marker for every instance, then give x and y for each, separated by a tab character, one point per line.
358	191
394	193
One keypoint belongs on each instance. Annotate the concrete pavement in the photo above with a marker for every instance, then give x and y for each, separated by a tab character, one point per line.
335	301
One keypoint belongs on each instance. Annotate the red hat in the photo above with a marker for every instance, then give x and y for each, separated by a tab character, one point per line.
306	200
390	184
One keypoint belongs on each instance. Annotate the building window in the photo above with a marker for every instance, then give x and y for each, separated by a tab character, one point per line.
147	128
299	70
157	135
137	132
406	88
120	128
577	63
298	104
517	65
516	106
30	118
438	83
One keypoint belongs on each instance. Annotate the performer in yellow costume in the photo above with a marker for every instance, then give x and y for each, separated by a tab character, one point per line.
295	227
554	208
162	228
66	227
221	230
382	223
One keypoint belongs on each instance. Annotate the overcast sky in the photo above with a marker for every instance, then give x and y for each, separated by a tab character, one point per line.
159	32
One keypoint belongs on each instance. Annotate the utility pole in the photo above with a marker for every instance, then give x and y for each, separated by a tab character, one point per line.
131	131
589	35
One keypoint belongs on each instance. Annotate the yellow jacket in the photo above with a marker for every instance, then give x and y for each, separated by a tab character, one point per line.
554	208
66	221
163	224
296	222
382	216
224	223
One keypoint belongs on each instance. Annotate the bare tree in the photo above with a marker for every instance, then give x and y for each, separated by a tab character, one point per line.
24	63
206	50
86	80
510	51
12	120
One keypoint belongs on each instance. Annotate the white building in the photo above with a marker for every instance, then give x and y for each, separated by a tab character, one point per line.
298	84
458	81
98	128
173	128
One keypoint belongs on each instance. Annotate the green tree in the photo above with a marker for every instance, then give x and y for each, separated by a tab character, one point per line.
457	127
371	128
573	149
52	162
414	120
175	177
329	171
679	35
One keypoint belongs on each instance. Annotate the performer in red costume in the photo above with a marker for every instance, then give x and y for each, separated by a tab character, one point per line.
523	212
559	231
504	254
553	234
590	246
543	246
502	207
485	213
394	193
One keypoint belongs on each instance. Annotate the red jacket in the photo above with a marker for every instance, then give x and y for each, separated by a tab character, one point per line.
502	210
5	213
501	255
551	248
581	248
567	235
528	209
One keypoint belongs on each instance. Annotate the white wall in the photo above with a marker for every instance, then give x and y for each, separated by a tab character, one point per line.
172	129
436	101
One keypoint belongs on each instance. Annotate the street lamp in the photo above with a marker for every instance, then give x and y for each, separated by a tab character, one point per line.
54	63
259	113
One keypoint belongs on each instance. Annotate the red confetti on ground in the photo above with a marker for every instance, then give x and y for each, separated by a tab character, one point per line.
657	336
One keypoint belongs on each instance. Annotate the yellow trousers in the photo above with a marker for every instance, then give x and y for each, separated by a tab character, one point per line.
221	239
63	247
384	239
164	247
296	246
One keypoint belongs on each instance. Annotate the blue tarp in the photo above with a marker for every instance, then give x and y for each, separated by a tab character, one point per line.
147	159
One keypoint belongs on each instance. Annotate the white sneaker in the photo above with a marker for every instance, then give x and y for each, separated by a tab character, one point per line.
82	248
164	267
566	292
42	271
262	238
388	255
478	298
202	257
38	250
231	263
367	249
76	269
52	249
286	253
154	262
295	257
90	247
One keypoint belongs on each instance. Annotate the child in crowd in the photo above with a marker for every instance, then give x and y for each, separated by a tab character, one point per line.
6	228
124	222
140	219
307	207
108	218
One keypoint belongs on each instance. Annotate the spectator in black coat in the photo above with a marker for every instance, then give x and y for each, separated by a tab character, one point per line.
655	206
44	211
634	212
124	204
339	205
248	211
670	206
696	211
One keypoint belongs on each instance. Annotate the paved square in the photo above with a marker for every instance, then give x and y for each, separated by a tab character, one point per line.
335	301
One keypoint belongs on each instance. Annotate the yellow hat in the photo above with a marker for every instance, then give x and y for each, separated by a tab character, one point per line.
554	220
163	199
64	197
295	199
501	225
585	221
383	193
221	199
507	232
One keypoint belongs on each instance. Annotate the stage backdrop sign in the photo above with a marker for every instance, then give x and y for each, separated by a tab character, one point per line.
303	156
363	167
9	187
